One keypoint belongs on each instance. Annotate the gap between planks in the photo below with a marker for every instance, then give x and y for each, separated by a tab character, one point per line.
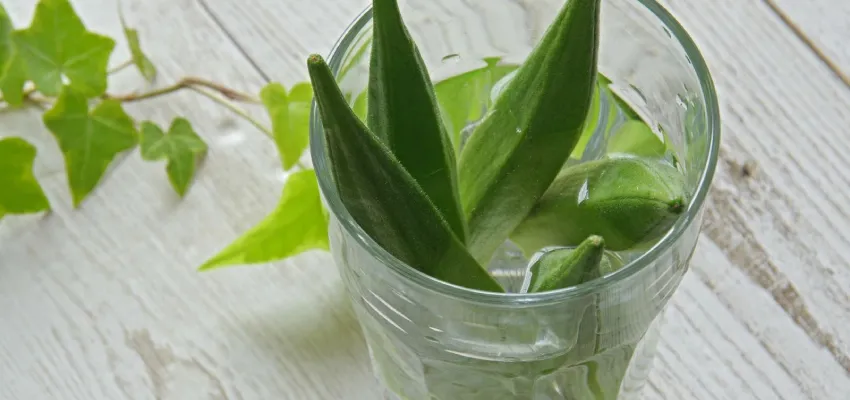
798	31
204	6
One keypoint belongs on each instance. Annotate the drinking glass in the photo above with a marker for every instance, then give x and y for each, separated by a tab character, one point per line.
430	340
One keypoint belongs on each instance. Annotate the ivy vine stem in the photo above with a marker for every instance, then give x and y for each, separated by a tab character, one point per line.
120	67
30	89
95	133
234	108
219	93
240	112
189	82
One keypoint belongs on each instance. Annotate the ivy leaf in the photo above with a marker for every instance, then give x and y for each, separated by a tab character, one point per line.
290	115
299	223
142	62
57	45
12	74
182	147
6	45
300	100
21	193
12	80
89	142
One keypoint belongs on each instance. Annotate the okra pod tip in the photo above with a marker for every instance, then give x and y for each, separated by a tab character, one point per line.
559	269
677	205
315	61
595	241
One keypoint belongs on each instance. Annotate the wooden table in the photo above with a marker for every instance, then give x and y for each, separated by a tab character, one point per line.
104	303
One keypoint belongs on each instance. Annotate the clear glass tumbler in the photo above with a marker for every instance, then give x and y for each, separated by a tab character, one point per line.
596	341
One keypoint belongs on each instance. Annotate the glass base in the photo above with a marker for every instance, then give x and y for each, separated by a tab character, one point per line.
617	374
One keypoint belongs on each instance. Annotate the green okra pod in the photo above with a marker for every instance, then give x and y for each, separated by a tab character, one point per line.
383	198
563	268
535	123
628	201
464	98
404	113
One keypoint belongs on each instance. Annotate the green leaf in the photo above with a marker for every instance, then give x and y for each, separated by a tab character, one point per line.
361	107
516	152
21	193
628	201
627	109
12	74
594	117
563	268
182	147
57	45
605	367
636	138
463	98
300	103
462	101
608	369
354	60
142	62
591	124
12	81
7	48
290	115
451	94
89	141
403	112
299	223
383	198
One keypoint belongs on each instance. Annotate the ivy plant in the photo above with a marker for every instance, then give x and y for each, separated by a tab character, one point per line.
58	65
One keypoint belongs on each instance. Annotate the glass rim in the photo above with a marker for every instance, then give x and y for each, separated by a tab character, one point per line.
427	282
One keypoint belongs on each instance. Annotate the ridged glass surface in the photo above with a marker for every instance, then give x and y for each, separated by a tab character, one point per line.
432	341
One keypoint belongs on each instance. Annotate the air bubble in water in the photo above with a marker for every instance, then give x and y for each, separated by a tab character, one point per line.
452	58
681	102
638	92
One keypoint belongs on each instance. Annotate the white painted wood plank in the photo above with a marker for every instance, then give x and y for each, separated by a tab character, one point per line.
784	113
707	353
278	35
826	23
726	338
104	303
93	307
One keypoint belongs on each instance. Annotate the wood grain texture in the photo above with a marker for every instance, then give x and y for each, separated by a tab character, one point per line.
824	25
104	302
776	213
782	225
707	352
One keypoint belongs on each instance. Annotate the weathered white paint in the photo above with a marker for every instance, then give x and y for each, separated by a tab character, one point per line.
104	302
822	24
